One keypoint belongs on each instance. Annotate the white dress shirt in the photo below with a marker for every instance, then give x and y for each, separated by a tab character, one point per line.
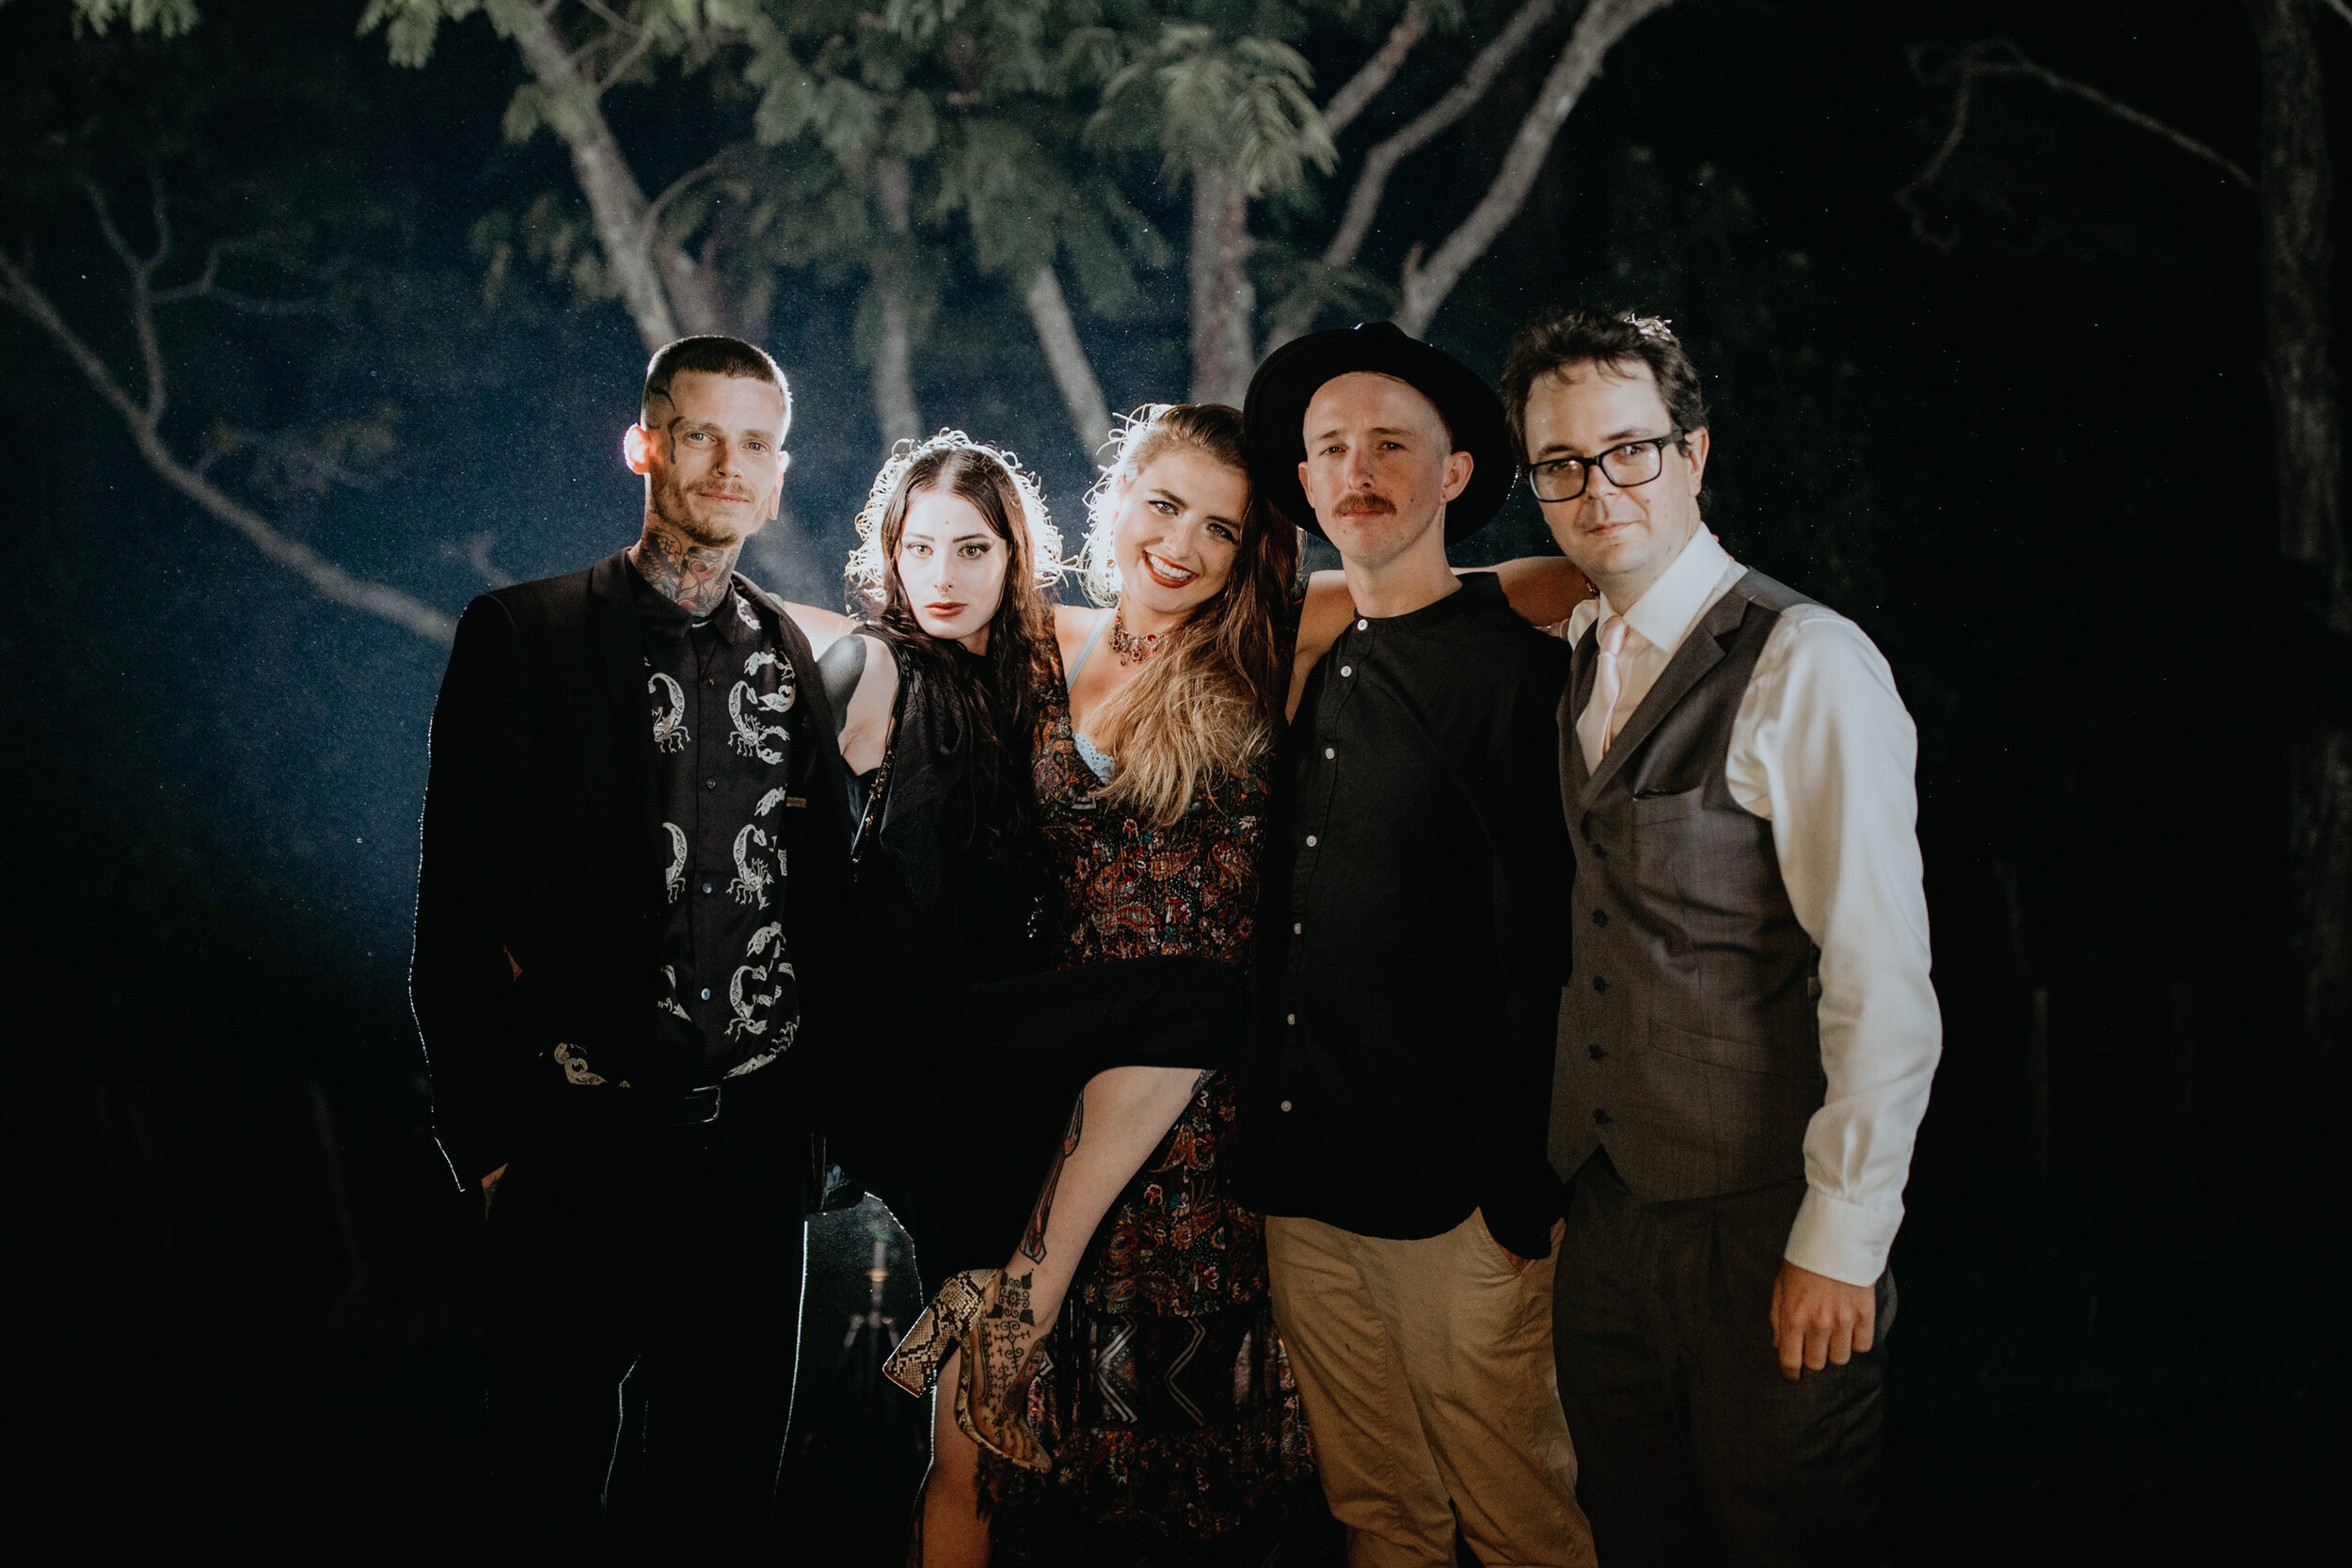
1824	750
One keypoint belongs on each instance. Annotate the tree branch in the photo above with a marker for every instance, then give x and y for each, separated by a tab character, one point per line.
1358	91
1598	31
18	289
615	201
2000	57
1371	180
1057	334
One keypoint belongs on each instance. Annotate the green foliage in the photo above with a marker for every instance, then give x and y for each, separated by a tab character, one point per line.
167	18
1240	105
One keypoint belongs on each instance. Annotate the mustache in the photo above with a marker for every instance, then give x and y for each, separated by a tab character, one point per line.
1364	501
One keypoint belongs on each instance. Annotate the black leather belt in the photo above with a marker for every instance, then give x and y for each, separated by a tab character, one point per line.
697	1106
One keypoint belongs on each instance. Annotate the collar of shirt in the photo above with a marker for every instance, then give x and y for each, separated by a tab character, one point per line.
731	619
1664	615
1477	589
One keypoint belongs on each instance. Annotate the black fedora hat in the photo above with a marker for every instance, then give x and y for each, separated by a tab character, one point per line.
1275	414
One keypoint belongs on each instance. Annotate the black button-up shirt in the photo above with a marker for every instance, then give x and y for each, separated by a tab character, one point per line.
722	690
1414	929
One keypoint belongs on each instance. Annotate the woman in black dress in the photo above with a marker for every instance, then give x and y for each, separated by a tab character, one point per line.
979	1049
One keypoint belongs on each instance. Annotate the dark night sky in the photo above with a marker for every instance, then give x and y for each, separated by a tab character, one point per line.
2033	465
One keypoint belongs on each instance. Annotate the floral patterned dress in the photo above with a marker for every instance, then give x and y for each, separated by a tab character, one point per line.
1167	1405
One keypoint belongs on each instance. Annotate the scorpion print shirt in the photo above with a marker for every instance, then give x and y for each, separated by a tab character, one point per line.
722	695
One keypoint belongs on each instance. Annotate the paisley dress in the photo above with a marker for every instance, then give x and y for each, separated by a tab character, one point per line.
1167	1403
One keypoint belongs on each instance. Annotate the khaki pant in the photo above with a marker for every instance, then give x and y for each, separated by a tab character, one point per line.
1427	1372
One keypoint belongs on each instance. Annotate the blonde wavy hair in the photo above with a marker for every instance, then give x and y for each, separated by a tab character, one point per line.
1210	699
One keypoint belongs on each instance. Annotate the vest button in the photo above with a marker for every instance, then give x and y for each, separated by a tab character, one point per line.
1600	917
1601	851
1600	1118
1600	984
1595	1052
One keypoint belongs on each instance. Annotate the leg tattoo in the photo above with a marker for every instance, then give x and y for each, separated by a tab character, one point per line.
1033	1240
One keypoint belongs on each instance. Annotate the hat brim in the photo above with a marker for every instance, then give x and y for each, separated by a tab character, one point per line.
1273	417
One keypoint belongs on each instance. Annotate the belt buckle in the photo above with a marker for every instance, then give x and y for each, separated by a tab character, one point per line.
698	1106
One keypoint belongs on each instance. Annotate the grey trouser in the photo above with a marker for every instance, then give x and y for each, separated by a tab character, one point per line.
1426	1370
1695	1450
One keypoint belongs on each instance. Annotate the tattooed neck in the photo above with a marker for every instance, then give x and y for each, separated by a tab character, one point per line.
692	577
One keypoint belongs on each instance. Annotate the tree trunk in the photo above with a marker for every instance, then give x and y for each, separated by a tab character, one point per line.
1223	299
2295	186
1072	373
617	203
894	342
1598	30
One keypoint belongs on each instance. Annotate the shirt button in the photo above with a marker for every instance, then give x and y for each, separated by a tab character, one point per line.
1330	751
710	784
1363	625
705	887
1286	1104
1347	669
711	680
1600	1118
1600	984
1600	917
1311	840
1290	1018
1298	928
706	993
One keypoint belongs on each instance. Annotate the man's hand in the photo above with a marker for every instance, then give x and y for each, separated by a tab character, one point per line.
1817	1320
491	1190
1519	1264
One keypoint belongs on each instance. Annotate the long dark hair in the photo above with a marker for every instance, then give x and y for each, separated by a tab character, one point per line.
998	694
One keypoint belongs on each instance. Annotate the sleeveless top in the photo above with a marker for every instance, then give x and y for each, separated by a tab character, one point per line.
1167	1402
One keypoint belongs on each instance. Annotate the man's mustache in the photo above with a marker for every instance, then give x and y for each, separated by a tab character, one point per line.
1365	503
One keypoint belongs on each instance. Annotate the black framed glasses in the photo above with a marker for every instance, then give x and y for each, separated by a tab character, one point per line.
1563	479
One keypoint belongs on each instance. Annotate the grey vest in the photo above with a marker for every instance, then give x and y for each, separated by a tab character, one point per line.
1689	1044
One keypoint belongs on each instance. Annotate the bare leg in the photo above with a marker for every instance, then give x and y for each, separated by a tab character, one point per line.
1118	1120
950	1532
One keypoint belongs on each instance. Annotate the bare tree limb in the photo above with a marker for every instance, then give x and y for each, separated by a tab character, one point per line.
330	581
1598	31
1371	180
1991	58
1357	92
617	203
1224	300
893	348
1057	334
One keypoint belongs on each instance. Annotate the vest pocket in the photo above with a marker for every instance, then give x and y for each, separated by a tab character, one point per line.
1739	1055
1661	807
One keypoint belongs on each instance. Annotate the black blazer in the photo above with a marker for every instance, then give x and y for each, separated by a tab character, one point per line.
539	890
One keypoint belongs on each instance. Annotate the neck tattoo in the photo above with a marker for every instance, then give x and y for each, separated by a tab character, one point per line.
1130	649
692	577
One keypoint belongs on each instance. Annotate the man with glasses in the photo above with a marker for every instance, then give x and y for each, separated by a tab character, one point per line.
1749	1032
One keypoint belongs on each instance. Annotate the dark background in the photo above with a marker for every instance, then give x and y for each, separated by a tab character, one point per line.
2034	465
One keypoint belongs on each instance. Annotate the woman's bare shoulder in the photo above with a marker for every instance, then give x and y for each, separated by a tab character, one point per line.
1073	624
822	627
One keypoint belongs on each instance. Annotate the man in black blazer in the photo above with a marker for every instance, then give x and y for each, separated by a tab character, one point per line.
635	853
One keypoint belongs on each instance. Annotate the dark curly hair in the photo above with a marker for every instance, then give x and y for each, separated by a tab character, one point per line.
1580	335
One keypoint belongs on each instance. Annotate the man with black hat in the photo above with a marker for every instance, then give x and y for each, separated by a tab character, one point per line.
1412	946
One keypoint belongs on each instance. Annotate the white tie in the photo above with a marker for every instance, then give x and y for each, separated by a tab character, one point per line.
1596	726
